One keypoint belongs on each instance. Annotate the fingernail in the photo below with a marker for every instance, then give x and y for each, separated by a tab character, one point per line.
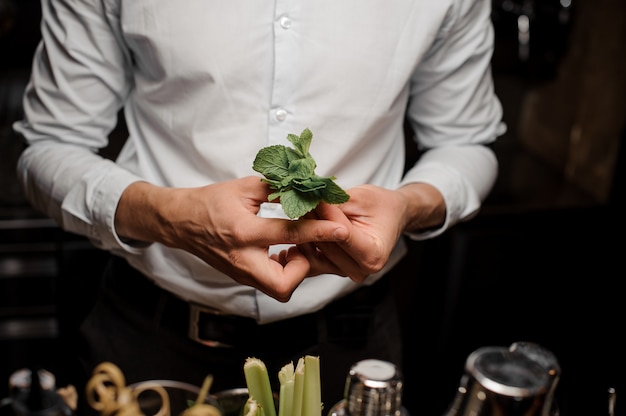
340	233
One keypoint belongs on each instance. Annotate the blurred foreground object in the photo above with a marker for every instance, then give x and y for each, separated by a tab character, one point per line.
32	393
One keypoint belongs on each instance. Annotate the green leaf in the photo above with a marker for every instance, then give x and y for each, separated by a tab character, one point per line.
291	173
272	162
333	193
309	185
302	168
301	143
274	195
296	204
276	184
293	154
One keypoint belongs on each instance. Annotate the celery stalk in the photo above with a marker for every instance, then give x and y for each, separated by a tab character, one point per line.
298	388
259	387
252	408
286	377
312	398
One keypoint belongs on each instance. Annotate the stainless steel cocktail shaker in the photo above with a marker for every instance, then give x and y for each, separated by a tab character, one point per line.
373	388
515	381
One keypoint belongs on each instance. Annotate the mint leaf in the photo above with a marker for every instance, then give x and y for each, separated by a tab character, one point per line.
302	168
273	162
291	173
333	193
296	204
309	185
302	143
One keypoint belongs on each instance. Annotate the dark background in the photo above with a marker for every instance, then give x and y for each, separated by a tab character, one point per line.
542	262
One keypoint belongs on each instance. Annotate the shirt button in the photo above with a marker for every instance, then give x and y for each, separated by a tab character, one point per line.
285	22
281	115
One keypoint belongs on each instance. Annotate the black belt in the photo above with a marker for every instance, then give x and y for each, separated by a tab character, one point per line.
345	321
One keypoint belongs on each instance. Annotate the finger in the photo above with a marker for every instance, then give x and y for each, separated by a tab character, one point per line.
342	261
272	231
361	254
331	212
271	274
342	254
319	263
295	269
280	257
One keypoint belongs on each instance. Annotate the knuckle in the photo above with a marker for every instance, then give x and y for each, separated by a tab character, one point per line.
372	264
291	233
282	293
358	278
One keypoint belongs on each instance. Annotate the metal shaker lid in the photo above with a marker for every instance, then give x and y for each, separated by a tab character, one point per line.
374	388
508	372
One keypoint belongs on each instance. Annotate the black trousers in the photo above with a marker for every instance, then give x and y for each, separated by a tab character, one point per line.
144	331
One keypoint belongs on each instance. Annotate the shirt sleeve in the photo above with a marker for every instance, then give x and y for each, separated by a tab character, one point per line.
455	113
78	82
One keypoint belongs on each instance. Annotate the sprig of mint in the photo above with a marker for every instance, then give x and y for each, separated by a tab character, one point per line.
291	172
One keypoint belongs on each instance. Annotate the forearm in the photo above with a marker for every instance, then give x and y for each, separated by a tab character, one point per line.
149	200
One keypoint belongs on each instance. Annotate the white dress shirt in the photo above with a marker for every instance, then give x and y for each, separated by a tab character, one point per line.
205	85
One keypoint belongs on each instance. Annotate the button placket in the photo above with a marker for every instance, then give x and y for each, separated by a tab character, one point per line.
283	53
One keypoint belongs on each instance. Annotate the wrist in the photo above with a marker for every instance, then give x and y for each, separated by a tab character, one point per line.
136	216
425	207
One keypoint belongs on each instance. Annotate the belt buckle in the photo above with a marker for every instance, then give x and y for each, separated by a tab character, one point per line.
194	317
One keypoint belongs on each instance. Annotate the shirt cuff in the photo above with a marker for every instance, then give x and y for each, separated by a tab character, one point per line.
100	191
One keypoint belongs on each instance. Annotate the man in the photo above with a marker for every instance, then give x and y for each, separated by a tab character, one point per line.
205	271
